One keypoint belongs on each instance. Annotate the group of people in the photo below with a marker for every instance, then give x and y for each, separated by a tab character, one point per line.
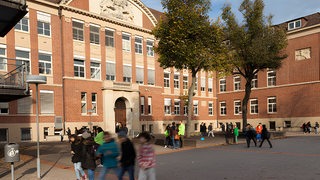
119	156
255	134
203	130
174	134
306	127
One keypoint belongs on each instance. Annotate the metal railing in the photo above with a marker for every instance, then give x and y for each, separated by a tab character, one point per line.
15	79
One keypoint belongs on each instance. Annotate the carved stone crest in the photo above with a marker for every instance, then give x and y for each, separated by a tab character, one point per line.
120	9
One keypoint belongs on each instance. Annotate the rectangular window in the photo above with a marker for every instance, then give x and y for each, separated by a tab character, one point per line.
94	34
95	70
203	84
46	102
210	108
149	105
142	105
223	85
254	106
237	83
167	106
196	84
185	110
196	126
126	43
272	77
223	108
127	73
210	85
138	45
185	82
150	51
151	77
3	61
94	98
139	75
176	81
3	135
254	82
23	57
79	68
111	71
272	105
294	25
4	108
44	21
45	64
25	105
23	25
237	107
166	80
83	103
109	37
177	106
77	30
25	134
195	108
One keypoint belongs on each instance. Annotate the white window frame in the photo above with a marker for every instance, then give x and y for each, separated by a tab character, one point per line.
210	85
185	81
195	107
127	78
110	76
272	104
3	58
142	107
94	103
223	85
177	105
151	77
22	23
150	51
223	108
237	83
27	60
79	66
95	71
203	84
30	130
45	63
94	35
167	106
166	80
44	19
138	44
141	73
254	108
295	24
271	77
196	84
126	43
210	108
237	107
79	31
44	99
149	105
254	82
84	104
176	81
109	40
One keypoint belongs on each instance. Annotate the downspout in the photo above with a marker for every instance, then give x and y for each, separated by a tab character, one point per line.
62	68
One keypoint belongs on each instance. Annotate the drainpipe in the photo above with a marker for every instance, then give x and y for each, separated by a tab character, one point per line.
62	68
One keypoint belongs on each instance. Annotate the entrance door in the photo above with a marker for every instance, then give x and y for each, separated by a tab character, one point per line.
120	111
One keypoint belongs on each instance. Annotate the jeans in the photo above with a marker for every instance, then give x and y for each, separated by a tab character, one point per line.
130	170
147	174
175	143
91	174
236	139
78	169
210	133
104	171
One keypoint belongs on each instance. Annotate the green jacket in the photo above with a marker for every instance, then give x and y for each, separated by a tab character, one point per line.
181	130
99	138
236	131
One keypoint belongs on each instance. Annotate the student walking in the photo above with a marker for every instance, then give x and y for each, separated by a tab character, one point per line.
236	134
76	151
181	132
210	130
88	154
250	135
128	156
259	131
265	136
109	151
146	158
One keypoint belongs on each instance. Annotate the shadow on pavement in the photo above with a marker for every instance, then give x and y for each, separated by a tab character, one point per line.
55	163
29	171
17	167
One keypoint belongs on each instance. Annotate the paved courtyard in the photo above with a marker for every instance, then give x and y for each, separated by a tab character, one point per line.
291	158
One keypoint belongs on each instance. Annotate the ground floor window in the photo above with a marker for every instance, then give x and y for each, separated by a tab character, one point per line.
3	135
25	134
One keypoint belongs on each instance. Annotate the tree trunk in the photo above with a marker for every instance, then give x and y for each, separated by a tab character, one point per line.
245	103
190	105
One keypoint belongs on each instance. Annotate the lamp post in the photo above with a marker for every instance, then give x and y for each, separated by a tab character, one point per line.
90	123
35	79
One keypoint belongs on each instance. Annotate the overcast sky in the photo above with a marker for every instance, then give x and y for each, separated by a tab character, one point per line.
282	10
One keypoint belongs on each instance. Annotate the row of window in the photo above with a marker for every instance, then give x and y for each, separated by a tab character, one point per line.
25	134
78	34
254	108
43	24
177	107
271	77
176	82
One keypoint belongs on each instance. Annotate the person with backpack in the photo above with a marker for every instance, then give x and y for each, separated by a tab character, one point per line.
265	135
88	154
128	156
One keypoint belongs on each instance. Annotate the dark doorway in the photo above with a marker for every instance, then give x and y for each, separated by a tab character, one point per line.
120	111
272	125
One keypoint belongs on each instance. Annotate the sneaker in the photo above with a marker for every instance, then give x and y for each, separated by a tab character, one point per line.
165	146
84	177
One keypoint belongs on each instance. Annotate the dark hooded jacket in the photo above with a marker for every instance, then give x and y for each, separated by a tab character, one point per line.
88	153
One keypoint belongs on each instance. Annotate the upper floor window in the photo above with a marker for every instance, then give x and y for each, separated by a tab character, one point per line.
176	81
195	108
177	107
196	84
45	63
94	103
138	45
149	105
272	77
210	85
139	75
127	73
166	78
23	25
94	34
109	37
142	105
126	43
167	106
23	57
203	84
150	51
210	108
272	105
95	70
223	108
151	77
111	71
294	25
237	83
254	82
237	107
254	106
83	102
4	108
77	30
3	60
47	102
44	21
185	82
223	85
79	68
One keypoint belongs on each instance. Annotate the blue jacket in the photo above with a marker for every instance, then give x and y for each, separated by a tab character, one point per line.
109	152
